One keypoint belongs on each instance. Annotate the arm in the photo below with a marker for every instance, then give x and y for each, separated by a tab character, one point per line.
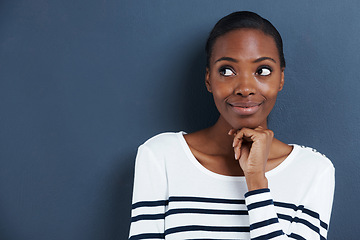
308	221
149	197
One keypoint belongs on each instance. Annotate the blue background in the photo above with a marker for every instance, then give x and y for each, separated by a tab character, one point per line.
83	83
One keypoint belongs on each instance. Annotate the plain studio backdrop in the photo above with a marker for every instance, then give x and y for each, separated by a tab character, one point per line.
84	83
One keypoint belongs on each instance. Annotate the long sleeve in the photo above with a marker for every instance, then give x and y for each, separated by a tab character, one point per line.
175	197
149	196
309	221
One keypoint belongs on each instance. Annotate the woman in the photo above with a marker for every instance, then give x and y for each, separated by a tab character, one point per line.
234	180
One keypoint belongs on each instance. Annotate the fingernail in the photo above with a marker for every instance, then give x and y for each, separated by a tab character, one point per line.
236	156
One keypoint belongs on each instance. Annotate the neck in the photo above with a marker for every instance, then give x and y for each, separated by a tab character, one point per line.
219	133
221	143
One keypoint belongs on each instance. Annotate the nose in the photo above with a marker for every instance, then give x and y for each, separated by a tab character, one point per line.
245	85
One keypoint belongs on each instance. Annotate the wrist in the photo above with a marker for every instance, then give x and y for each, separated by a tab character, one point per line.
256	181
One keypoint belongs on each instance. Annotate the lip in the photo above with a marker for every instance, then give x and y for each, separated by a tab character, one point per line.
245	108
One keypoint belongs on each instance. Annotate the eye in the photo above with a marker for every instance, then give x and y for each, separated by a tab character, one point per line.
226	71
264	71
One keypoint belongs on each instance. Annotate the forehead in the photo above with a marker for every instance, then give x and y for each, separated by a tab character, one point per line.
245	45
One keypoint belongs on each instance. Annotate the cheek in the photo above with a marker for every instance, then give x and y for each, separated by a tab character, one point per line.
220	94
220	90
270	89
269	93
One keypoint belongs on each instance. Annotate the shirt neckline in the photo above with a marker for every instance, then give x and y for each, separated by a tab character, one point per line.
203	169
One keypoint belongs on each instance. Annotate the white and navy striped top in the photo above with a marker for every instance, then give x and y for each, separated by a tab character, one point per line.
176	198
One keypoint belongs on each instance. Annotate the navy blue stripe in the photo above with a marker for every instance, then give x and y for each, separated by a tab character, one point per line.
299	220
269	235
285	217
315	215
205	228
148	217
206	211
257	191
150	204
304	210
324	225
207	200
295	236
310	213
230	201
307	223
148	236
263	223
286	205
260	204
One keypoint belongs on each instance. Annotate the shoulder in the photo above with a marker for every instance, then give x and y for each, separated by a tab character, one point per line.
312	157
163	138
159	149
163	141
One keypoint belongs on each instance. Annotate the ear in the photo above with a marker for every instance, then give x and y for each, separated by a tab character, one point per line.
282	79
207	79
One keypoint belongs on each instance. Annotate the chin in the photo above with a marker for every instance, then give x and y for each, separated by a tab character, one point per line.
247	124
240	126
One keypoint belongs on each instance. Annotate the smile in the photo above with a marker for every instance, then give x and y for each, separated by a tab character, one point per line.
247	108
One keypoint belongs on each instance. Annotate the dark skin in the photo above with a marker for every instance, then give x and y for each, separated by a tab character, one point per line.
244	76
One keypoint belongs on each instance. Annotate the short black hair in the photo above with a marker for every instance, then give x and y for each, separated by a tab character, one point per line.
239	20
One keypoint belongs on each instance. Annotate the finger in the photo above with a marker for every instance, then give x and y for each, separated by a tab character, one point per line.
257	133
247	134
244	152
232	131
237	150
238	137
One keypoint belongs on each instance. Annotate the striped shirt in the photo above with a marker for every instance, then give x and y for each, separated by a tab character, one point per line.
175	197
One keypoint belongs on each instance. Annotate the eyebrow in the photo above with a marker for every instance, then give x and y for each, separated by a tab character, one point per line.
226	59
255	61
263	59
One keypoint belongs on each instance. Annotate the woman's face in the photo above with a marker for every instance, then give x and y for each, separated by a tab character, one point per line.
245	76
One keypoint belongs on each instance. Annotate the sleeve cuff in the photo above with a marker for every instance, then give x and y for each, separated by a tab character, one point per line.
258	198
257	191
